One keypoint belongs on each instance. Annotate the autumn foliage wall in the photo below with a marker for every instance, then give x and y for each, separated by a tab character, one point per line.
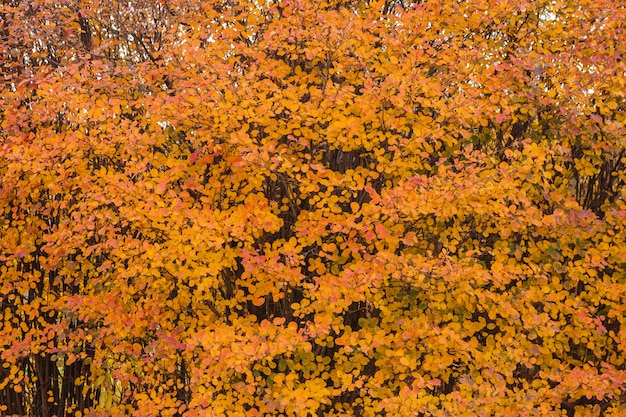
312	208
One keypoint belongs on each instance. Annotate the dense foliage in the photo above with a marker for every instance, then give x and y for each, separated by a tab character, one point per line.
312	208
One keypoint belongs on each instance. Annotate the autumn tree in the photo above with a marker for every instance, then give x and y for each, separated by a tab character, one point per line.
312	208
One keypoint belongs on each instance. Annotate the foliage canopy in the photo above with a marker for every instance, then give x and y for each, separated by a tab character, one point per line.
316	208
